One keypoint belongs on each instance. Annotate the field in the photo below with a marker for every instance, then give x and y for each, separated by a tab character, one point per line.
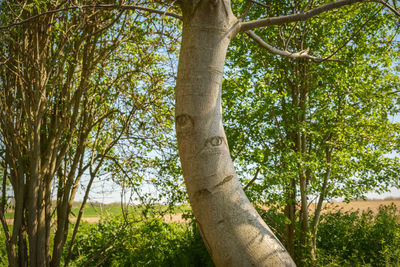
361	205
94	211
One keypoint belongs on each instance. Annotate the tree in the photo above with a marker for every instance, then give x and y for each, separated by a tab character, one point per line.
231	228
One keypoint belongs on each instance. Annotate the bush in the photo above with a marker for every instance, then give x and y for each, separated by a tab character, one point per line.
3	251
360	239
114	242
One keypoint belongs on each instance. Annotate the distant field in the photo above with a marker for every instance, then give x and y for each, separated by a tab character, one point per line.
114	210
361	205
93	212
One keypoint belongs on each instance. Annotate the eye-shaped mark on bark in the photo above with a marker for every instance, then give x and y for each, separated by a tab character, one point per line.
212	145
215	140
184	125
184	121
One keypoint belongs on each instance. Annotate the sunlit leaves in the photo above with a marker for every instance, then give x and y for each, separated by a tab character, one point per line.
350	109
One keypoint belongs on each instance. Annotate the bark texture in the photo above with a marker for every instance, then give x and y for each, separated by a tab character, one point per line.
234	233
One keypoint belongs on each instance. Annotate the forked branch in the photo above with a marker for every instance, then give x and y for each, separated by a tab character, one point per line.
390	7
246	26
284	53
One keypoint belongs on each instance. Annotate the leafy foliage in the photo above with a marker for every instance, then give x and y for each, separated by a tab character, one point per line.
301	131
350	238
355	238
133	242
349	106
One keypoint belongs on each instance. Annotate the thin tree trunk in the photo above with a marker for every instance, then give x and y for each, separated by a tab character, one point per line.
304	174
234	233
314	226
22	249
290	213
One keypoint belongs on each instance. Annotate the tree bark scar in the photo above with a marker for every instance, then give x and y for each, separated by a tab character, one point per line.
226	179
184	121
215	140
201	192
212	146
184	125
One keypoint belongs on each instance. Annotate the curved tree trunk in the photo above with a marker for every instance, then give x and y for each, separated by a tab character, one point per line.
234	233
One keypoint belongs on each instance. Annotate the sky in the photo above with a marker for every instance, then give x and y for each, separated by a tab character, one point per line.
109	192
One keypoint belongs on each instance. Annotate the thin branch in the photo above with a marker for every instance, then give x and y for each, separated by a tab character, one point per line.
273	50
252	180
294	27
114	7
391	8
245	13
353	35
5	227
258	3
246	26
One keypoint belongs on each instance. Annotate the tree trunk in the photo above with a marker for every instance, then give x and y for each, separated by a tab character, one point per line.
290	213
234	234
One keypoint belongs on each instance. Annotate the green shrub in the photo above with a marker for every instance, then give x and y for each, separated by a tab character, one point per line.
3	251
114	242
360	239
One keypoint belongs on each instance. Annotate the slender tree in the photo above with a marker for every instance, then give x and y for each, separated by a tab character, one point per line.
67	98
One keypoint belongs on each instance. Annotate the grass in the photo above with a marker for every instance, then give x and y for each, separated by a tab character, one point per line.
93	210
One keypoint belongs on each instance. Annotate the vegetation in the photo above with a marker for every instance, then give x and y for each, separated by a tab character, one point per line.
72	110
351	238
130	241
301	131
354	238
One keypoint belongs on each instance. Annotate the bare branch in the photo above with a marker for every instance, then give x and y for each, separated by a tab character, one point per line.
294	27
353	35
108	7
391	8
246	26
258	3
252	180
273	50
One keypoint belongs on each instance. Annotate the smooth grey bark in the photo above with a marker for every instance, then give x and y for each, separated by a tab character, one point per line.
234	233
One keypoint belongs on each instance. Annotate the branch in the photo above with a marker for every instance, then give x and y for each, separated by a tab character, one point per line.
252	180
273	50
110	6
246	26
294	27
391	8
258	3
353	35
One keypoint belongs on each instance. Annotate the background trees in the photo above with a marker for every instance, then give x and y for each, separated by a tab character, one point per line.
305	132
72	84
